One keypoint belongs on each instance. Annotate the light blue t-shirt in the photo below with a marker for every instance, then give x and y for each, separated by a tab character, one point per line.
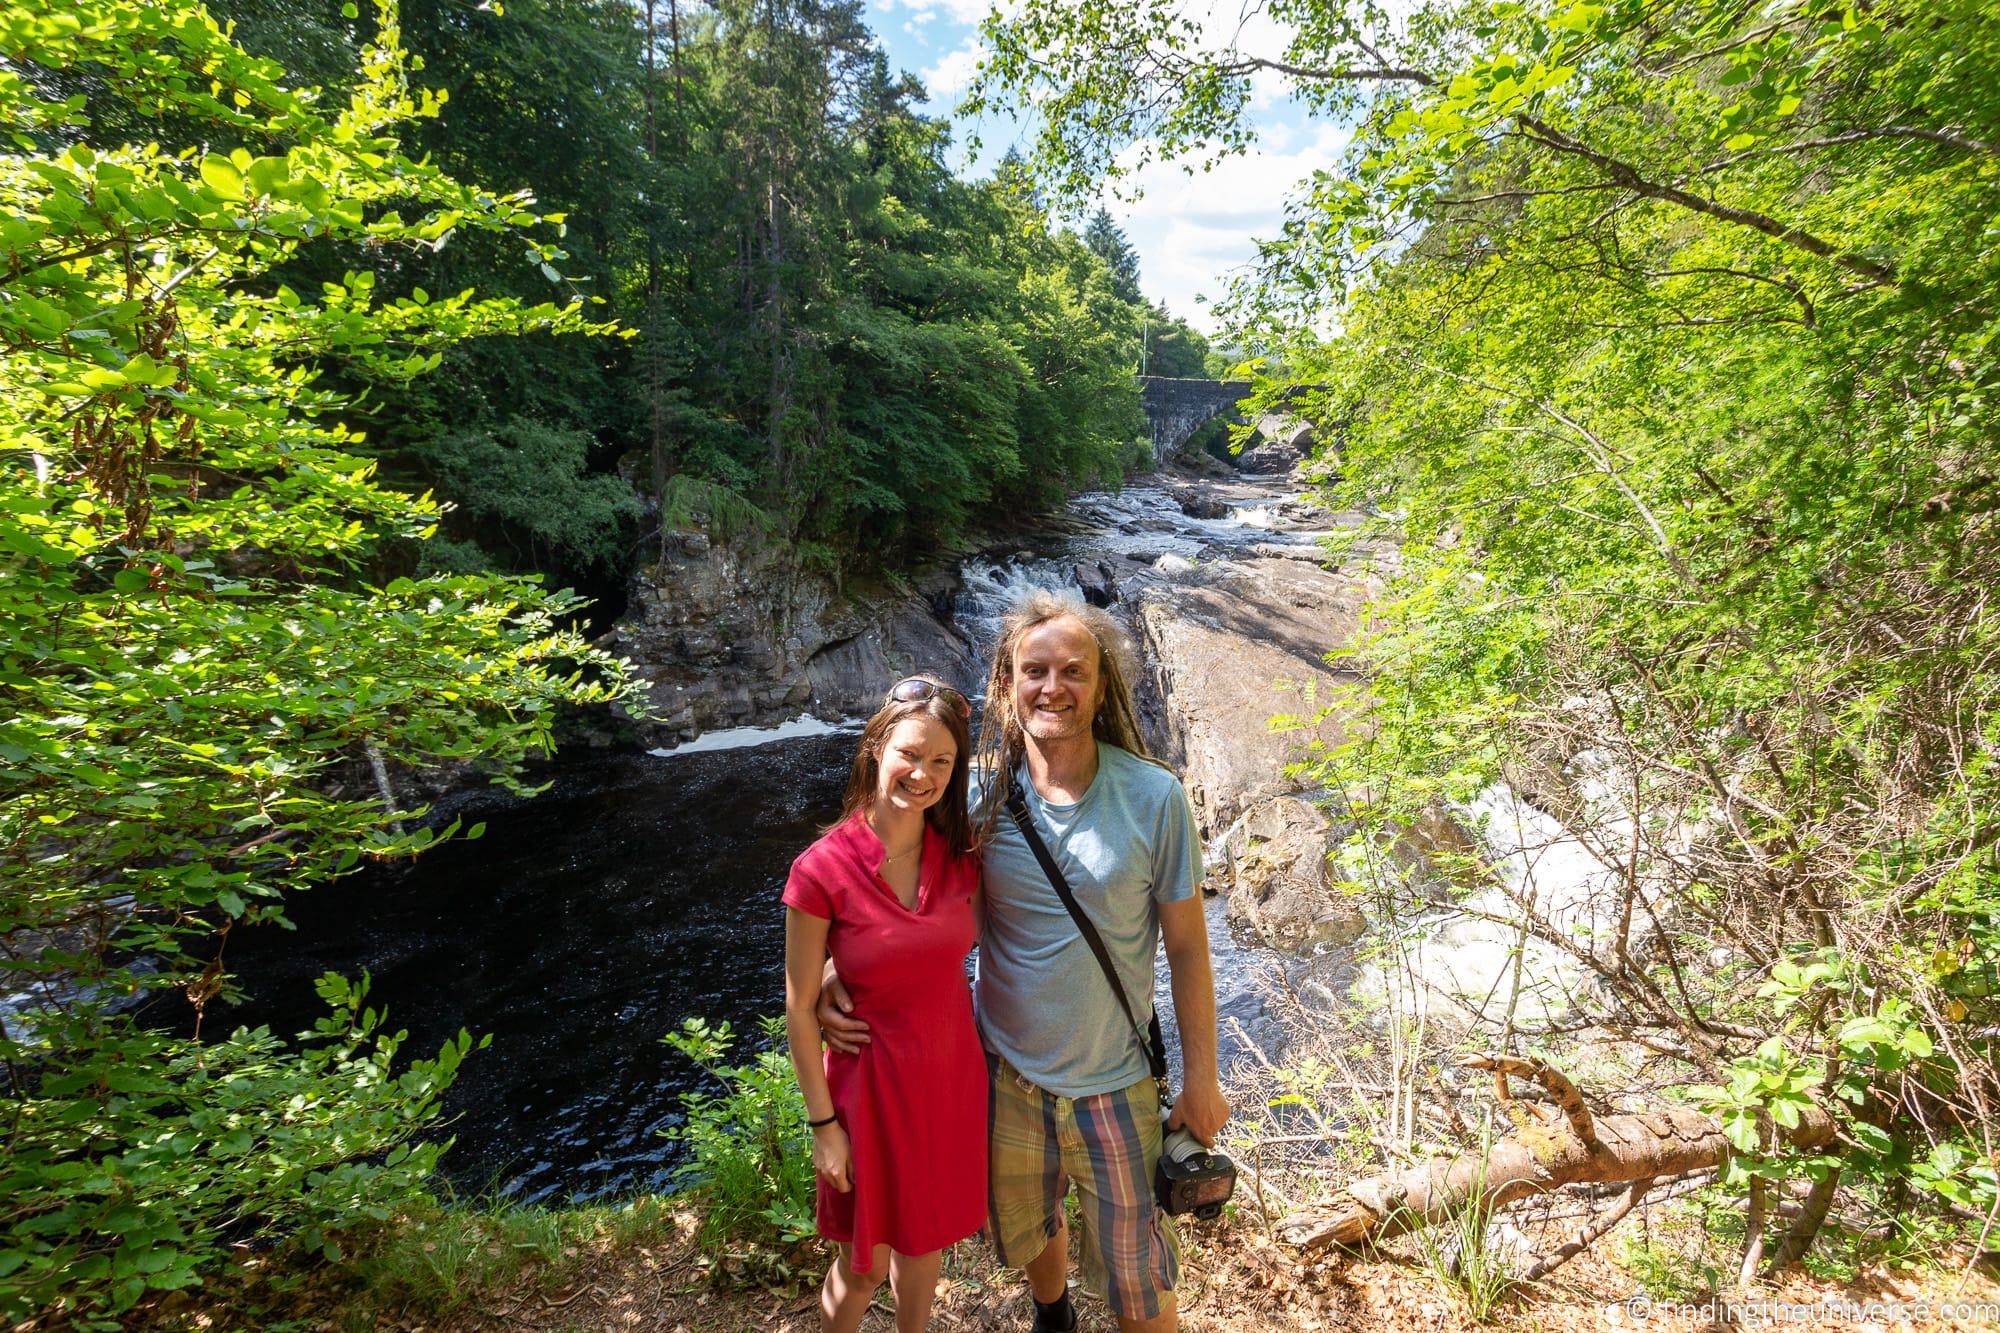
1042	1001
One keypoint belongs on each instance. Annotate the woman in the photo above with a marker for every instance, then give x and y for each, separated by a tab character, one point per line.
899	1129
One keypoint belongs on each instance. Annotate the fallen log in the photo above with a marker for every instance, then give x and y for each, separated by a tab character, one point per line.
1569	1147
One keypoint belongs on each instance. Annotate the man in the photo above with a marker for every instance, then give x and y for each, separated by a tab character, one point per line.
1072	1097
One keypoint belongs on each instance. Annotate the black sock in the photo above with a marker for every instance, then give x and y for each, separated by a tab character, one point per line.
1054	1315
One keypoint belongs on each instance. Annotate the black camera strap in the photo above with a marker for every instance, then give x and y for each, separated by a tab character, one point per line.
1150	1040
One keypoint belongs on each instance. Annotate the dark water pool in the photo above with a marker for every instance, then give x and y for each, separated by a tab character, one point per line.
636	892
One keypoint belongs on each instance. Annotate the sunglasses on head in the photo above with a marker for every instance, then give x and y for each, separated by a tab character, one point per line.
915	690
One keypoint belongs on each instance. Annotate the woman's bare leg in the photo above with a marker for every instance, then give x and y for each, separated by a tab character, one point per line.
913	1277
844	1296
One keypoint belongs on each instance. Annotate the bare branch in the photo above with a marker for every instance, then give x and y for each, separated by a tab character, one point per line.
1345	74
1588	1236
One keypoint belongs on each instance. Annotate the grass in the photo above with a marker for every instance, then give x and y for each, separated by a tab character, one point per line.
452	1258
438	1260
1459	1256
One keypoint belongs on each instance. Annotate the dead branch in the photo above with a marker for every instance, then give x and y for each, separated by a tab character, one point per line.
1568	1100
1589	1235
1535	1160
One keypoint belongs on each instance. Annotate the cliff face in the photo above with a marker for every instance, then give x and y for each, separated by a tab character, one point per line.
731	636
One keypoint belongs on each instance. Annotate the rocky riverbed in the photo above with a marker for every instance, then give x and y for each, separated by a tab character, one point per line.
641	889
1218	575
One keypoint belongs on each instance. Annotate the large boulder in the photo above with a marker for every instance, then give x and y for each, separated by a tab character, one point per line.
1279	445
1229	645
901	638
1098	582
1273	865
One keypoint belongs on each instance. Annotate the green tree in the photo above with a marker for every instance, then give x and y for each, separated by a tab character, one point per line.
1174	348
833	335
1667	341
189	657
1106	240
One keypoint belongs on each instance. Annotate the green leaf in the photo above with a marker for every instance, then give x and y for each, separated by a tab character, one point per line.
222	176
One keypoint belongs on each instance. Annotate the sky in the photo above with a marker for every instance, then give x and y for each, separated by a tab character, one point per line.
1191	232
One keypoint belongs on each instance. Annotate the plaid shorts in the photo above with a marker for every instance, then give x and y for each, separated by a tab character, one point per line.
1108	1145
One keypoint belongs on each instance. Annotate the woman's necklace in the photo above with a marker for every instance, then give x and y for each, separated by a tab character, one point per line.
887	856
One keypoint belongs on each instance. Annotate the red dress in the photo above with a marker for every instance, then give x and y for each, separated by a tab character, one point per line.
913	1101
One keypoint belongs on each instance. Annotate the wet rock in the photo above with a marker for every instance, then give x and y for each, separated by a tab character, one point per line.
1196	498
1273	865
1279	445
1201	463
1094	577
1274	551
738	635
1269	459
902	639
1439	852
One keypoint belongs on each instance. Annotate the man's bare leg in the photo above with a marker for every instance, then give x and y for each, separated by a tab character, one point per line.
1048	1279
1048	1272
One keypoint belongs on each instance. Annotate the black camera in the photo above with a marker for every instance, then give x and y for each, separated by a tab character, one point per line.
1190	1178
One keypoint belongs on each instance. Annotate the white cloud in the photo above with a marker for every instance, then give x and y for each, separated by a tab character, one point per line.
969	12
947	80
1193	232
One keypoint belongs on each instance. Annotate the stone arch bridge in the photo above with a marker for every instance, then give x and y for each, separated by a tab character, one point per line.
1176	409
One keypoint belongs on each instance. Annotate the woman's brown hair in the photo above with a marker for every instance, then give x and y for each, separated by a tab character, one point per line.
948	816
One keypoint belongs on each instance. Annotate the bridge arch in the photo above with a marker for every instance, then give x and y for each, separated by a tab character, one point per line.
1177	408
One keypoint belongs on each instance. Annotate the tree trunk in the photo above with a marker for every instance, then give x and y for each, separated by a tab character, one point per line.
1538	1159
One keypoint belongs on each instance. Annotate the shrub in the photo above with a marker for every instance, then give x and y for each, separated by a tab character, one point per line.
135	1154
188	656
749	1151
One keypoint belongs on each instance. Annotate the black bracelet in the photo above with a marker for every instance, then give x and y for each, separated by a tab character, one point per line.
815	1124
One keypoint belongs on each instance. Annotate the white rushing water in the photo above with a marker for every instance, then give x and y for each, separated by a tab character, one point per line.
990	585
1466	959
736	738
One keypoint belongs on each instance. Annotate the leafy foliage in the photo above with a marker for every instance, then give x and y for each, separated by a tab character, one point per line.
749	1151
189	656
829	326
1666	359
528	478
142	1153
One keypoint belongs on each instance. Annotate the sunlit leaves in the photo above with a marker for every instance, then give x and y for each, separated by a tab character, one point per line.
188	655
1659	341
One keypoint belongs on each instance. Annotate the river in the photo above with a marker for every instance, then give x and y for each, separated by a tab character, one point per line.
639	890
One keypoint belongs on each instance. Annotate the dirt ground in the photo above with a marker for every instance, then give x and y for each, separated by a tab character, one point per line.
1234	1281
